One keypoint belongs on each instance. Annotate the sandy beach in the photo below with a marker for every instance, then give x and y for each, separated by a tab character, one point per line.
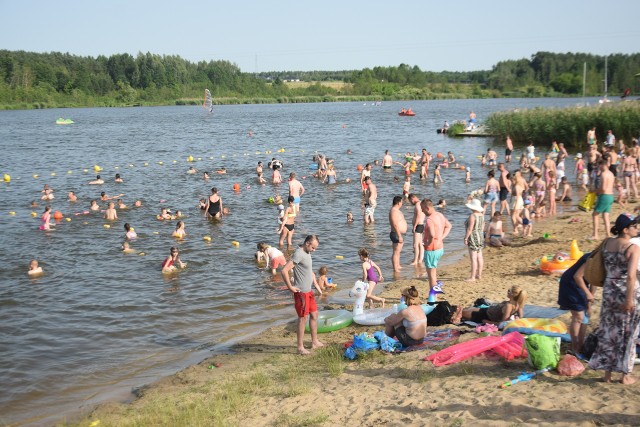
264	382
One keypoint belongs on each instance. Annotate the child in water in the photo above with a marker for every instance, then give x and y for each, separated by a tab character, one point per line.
273	257
169	264
179	232
349	217
467	175
437	178
323	281
369	275
406	187
126	249
34	269
130	233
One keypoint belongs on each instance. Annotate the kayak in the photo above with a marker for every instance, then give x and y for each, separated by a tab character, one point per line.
62	121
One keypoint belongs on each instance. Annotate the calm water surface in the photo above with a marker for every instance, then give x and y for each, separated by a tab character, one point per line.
98	322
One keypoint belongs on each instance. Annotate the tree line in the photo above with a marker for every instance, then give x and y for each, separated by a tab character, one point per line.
40	80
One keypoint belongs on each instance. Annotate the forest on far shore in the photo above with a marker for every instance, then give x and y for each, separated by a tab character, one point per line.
49	80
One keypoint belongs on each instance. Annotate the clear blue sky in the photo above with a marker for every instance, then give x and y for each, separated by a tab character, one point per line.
324	35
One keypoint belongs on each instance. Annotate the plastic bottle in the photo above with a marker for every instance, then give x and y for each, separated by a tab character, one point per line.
395	308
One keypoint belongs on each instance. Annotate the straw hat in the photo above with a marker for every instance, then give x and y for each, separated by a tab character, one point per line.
475	205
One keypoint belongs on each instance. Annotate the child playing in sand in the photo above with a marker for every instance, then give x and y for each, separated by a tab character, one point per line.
34	269
179	232
323	281
494	233
369	275
273	257
551	187
406	187
540	210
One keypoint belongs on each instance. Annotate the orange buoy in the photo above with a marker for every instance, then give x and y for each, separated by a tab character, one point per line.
57	215
462	167
359	168
236	187
439	155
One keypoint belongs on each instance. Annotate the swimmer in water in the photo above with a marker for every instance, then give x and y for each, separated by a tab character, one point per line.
259	172
111	213
467	175
104	196
72	196
205	176
46	218
47	193
118	178
179	232
126	249
130	233
169	264
94	206
349	217
121	204
164	215
137	203
97	181
33	204
178	214
442	203
192	170
34	269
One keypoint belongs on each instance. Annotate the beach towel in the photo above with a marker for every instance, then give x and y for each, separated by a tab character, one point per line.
434	339
541	312
548	327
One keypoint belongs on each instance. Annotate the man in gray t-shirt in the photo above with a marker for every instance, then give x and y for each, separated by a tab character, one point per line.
303	297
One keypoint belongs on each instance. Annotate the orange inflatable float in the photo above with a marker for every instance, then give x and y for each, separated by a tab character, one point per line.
57	215
561	261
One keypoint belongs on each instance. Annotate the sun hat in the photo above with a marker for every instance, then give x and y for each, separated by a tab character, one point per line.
475	205
625	220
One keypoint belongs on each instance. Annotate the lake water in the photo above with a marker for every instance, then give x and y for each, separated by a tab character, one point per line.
98	322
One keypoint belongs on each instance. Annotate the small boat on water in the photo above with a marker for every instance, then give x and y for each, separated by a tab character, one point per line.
406	112
62	121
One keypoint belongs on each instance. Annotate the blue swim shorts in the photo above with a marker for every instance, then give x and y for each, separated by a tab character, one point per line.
296	200
431	258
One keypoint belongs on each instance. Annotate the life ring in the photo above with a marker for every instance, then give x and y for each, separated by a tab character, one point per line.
332	320
375	316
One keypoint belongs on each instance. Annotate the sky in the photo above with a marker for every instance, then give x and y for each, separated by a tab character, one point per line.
258	36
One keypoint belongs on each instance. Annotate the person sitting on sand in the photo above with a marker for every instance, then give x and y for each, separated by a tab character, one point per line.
169	264
496	313
566	190
409	325
494	234
34	269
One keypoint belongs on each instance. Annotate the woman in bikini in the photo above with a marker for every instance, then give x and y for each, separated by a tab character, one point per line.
288	223
409	325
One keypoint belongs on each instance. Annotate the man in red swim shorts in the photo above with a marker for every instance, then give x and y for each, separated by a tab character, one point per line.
303	297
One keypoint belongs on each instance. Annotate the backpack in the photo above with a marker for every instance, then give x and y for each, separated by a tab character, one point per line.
441	315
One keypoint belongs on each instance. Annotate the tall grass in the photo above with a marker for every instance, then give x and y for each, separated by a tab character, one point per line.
567	125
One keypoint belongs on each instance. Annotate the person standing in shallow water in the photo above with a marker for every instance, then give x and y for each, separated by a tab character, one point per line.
398	229
305	302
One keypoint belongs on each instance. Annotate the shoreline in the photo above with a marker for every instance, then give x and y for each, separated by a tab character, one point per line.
466	392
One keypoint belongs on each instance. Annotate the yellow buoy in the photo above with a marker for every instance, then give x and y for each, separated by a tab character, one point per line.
156	232
7	177
161	163
146	164
206	238
234	243
339	257
106	226
69	172
34	214
223	156
141	254
174	162
53	174
68	219
97	168
117	167
85	170
12	213
199	158
190	159
35	176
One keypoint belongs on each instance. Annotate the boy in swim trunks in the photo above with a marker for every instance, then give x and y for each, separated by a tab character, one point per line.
605	198
436	229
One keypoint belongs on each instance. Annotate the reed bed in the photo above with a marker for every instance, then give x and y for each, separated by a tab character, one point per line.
568	125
